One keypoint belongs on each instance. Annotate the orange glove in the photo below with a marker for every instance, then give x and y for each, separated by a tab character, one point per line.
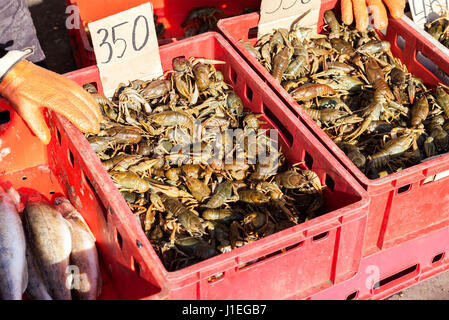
29	87
359	9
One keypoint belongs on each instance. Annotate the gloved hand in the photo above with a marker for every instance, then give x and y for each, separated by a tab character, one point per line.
29	87
358	8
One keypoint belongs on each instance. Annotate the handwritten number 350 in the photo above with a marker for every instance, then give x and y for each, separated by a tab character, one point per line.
288	5
116	40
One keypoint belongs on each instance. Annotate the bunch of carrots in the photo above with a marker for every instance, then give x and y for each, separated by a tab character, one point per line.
359	10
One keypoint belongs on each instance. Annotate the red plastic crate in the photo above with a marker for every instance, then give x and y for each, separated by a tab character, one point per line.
403	205
170	13
320	252
390	271
440	53
33	168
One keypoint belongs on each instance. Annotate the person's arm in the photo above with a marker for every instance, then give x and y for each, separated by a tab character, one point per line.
17	30
29	87
9	59
358	10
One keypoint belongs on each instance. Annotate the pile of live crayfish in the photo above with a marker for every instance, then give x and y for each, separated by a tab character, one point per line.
168	145
439	28
379	114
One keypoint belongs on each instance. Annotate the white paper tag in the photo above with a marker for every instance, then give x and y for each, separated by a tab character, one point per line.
424	11
126	47
275	14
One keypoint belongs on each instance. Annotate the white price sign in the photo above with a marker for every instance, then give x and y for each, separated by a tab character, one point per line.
424	11
126	47
275	14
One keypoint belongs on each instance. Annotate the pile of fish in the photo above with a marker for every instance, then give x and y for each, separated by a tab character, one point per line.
379	114
51	255
168	145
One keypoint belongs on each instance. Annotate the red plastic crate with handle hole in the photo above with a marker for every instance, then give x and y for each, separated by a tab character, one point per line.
307	258
393	270
35	170
439	51
170	12
404	205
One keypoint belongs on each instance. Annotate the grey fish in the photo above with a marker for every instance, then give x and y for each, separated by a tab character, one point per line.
36	289
13	265
84	253
49	238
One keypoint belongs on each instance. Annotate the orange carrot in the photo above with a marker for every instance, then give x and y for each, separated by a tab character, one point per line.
379	14
346	12
396	7
361	15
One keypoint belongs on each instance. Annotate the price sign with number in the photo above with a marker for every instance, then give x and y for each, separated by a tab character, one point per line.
126	47
275	14
424	11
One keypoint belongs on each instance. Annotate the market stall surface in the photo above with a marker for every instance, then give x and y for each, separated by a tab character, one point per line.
50	21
